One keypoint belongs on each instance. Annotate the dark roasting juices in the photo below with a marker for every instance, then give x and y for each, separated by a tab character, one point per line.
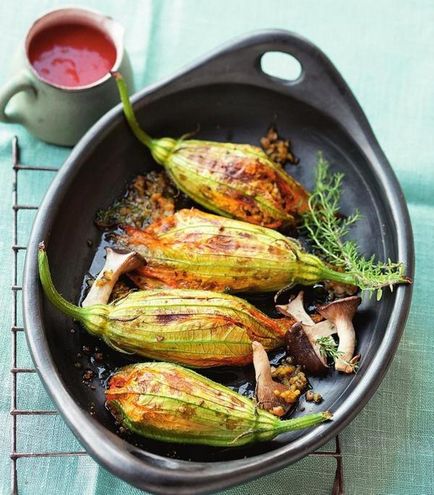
72	54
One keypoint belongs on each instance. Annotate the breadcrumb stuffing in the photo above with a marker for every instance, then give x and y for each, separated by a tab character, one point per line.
293	378
312	396
278	149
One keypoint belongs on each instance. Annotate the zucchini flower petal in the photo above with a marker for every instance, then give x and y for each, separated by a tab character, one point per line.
233	180
172	404
195	328
196	250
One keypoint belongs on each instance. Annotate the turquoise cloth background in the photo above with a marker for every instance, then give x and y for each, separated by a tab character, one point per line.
385	51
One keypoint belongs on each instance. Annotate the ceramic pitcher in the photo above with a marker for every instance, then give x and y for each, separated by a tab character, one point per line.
55	113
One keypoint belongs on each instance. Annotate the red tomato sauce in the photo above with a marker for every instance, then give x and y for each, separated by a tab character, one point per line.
72	54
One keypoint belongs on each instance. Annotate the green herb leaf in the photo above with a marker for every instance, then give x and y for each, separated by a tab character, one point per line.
327	228
329	348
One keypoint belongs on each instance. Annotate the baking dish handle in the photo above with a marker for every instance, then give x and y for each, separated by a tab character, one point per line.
319	85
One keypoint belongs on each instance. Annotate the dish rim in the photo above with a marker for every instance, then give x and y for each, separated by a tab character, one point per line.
159	474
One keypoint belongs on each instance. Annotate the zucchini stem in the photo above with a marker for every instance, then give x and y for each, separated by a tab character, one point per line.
52	294
303	422
92	317
140	134
341	277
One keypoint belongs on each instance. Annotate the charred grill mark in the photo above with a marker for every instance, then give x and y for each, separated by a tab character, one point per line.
117	381
177	381
276	251
163	225
187	411
169	317
221	243
232	423
245	170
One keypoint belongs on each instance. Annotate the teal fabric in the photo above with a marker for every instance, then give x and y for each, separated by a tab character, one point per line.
385	51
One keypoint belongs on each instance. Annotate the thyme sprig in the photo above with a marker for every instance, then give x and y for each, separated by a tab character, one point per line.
327	229
329	348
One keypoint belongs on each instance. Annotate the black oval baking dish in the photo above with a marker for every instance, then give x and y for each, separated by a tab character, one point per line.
229	96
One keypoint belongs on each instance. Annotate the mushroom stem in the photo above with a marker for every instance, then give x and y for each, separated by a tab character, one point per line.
261	364
324	328
346	347
341	313
117	263
267	390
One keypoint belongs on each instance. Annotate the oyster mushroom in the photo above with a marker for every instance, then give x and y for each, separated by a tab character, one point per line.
295	309
341	313
302	336
117	263
302	345
271	395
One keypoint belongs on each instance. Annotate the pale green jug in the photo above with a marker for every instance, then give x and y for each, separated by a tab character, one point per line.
54	113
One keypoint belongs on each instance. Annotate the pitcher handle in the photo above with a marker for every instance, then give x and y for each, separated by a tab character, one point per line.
20	82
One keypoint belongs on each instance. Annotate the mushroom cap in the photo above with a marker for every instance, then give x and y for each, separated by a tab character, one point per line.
304	352
345	307
295	309
117	262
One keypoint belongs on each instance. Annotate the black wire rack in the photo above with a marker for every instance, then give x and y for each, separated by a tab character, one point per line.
15	455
